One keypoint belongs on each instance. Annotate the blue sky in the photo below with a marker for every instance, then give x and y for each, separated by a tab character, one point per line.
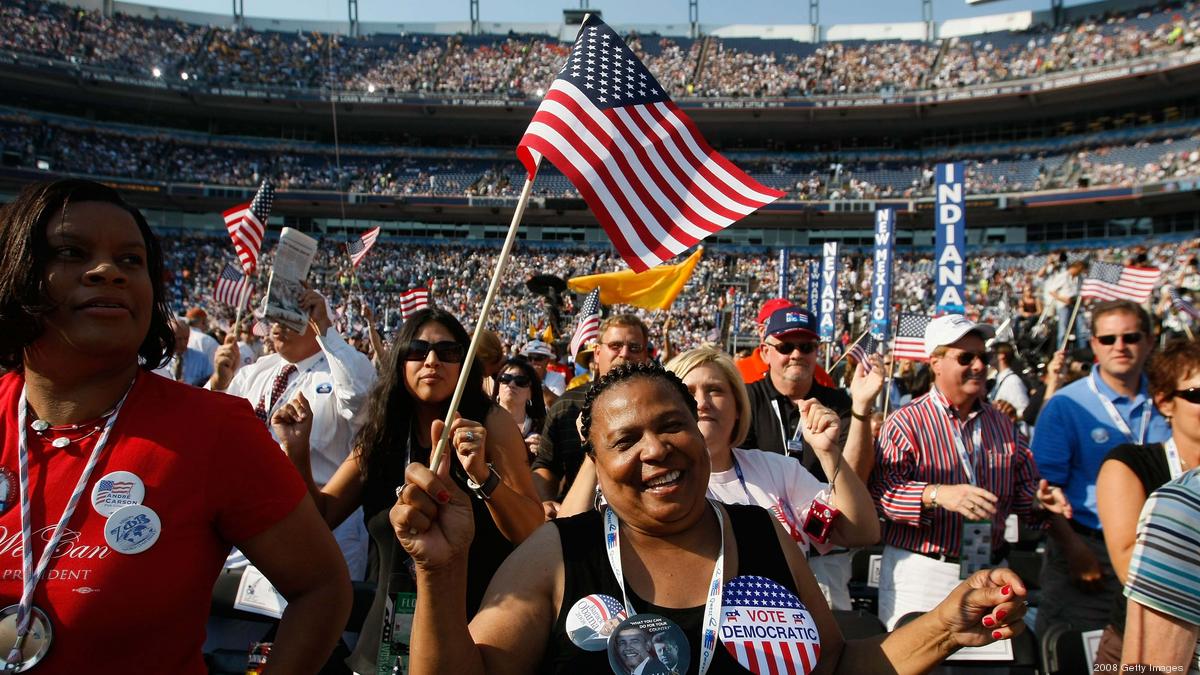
619	11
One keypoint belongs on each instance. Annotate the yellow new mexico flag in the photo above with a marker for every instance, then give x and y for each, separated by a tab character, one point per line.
656	288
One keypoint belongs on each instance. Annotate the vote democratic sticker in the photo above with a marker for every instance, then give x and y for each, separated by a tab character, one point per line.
117	490
648	644
592	619
766	628
132	529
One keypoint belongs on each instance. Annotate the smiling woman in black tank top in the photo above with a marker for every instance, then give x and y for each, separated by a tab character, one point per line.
655	551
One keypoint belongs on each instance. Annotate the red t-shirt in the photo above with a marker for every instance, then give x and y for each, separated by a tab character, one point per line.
213	476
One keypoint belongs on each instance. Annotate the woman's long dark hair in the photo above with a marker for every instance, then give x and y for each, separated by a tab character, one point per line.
392	408
535	407
23	298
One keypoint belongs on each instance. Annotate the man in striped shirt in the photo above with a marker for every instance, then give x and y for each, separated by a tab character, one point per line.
1164	580
947	462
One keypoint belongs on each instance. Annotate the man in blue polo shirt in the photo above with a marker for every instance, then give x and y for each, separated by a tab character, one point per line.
1076	429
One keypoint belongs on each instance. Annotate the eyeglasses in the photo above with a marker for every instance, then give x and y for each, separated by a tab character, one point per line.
967	358
1190	395
517	380
447	351
1127	338
616	346
786	348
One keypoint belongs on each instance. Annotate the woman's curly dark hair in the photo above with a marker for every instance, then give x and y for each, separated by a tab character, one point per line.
649	370
23	299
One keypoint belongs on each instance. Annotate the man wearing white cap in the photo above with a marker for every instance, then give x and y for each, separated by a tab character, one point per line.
540	354
950	469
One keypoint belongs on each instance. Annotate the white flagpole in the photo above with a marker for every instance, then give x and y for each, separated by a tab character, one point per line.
436	457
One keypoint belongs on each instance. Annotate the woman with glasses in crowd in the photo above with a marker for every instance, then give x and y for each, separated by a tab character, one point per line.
406	412
1131	472
124	488
518	390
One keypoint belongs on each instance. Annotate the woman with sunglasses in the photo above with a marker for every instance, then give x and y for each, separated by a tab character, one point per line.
1131	472
514	391
406	412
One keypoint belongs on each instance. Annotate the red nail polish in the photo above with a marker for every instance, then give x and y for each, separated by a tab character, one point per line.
1000	614
989	621
1006	590
443	497
996	634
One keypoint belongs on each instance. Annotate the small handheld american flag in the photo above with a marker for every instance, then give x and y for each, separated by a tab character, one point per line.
863	348
233	288
412	301
641	165
588	327
910	337
247	224
1181	305
1110	281
359	247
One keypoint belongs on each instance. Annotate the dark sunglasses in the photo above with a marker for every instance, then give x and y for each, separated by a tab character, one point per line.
447	351
1127	338
786	348
1190	395
516	380
967	358
616	346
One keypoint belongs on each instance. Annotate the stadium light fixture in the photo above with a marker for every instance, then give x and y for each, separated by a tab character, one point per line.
156	72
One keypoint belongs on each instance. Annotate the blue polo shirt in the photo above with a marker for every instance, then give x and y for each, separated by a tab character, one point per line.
1074	433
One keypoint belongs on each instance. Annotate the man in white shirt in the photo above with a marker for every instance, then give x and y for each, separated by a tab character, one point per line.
1009	387
199	340
1059	294
334	377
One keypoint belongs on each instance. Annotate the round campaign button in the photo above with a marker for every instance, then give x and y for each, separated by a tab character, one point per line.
37	640
117	490
648	644
1100	435
766	628
8	489
132	529
592	619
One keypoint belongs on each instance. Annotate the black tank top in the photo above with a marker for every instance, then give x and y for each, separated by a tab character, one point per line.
586	571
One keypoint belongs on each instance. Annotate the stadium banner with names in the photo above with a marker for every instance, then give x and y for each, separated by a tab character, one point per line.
814	287
827	323
951	223
881	280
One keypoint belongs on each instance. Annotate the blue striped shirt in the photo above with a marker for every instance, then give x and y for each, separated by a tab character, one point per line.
1164	572
917	447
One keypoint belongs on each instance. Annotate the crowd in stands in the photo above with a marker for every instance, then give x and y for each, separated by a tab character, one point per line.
523	66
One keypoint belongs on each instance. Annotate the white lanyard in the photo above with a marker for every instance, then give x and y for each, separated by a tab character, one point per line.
967	459
783	428
29	575
1174	461
1116	418
295	382
712	607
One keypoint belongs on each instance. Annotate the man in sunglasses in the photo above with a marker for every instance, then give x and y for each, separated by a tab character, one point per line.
951	469
1076	429
623	339
336	379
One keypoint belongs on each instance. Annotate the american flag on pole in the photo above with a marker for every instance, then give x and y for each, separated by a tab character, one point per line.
233	287
247	223
864	347
1181	305
1110	281
359	247
588	327
412	301
641	165
910	337
766	628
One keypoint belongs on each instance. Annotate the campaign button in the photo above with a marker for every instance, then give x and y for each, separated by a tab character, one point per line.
117	490
648	644
8	489
132	529
766	628
591	621
1099	435
324	388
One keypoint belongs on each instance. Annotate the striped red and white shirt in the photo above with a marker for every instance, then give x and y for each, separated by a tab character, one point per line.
917	447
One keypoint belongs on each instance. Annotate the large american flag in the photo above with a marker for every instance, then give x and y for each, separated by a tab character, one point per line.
641	165
412	301
910	337
588	326
359	247
247	223
233	287
1182	305
766	628
1110	281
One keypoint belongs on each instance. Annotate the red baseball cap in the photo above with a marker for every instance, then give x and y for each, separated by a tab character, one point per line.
769	308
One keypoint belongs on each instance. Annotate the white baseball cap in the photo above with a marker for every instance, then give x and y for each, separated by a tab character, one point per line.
537	347
949	328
